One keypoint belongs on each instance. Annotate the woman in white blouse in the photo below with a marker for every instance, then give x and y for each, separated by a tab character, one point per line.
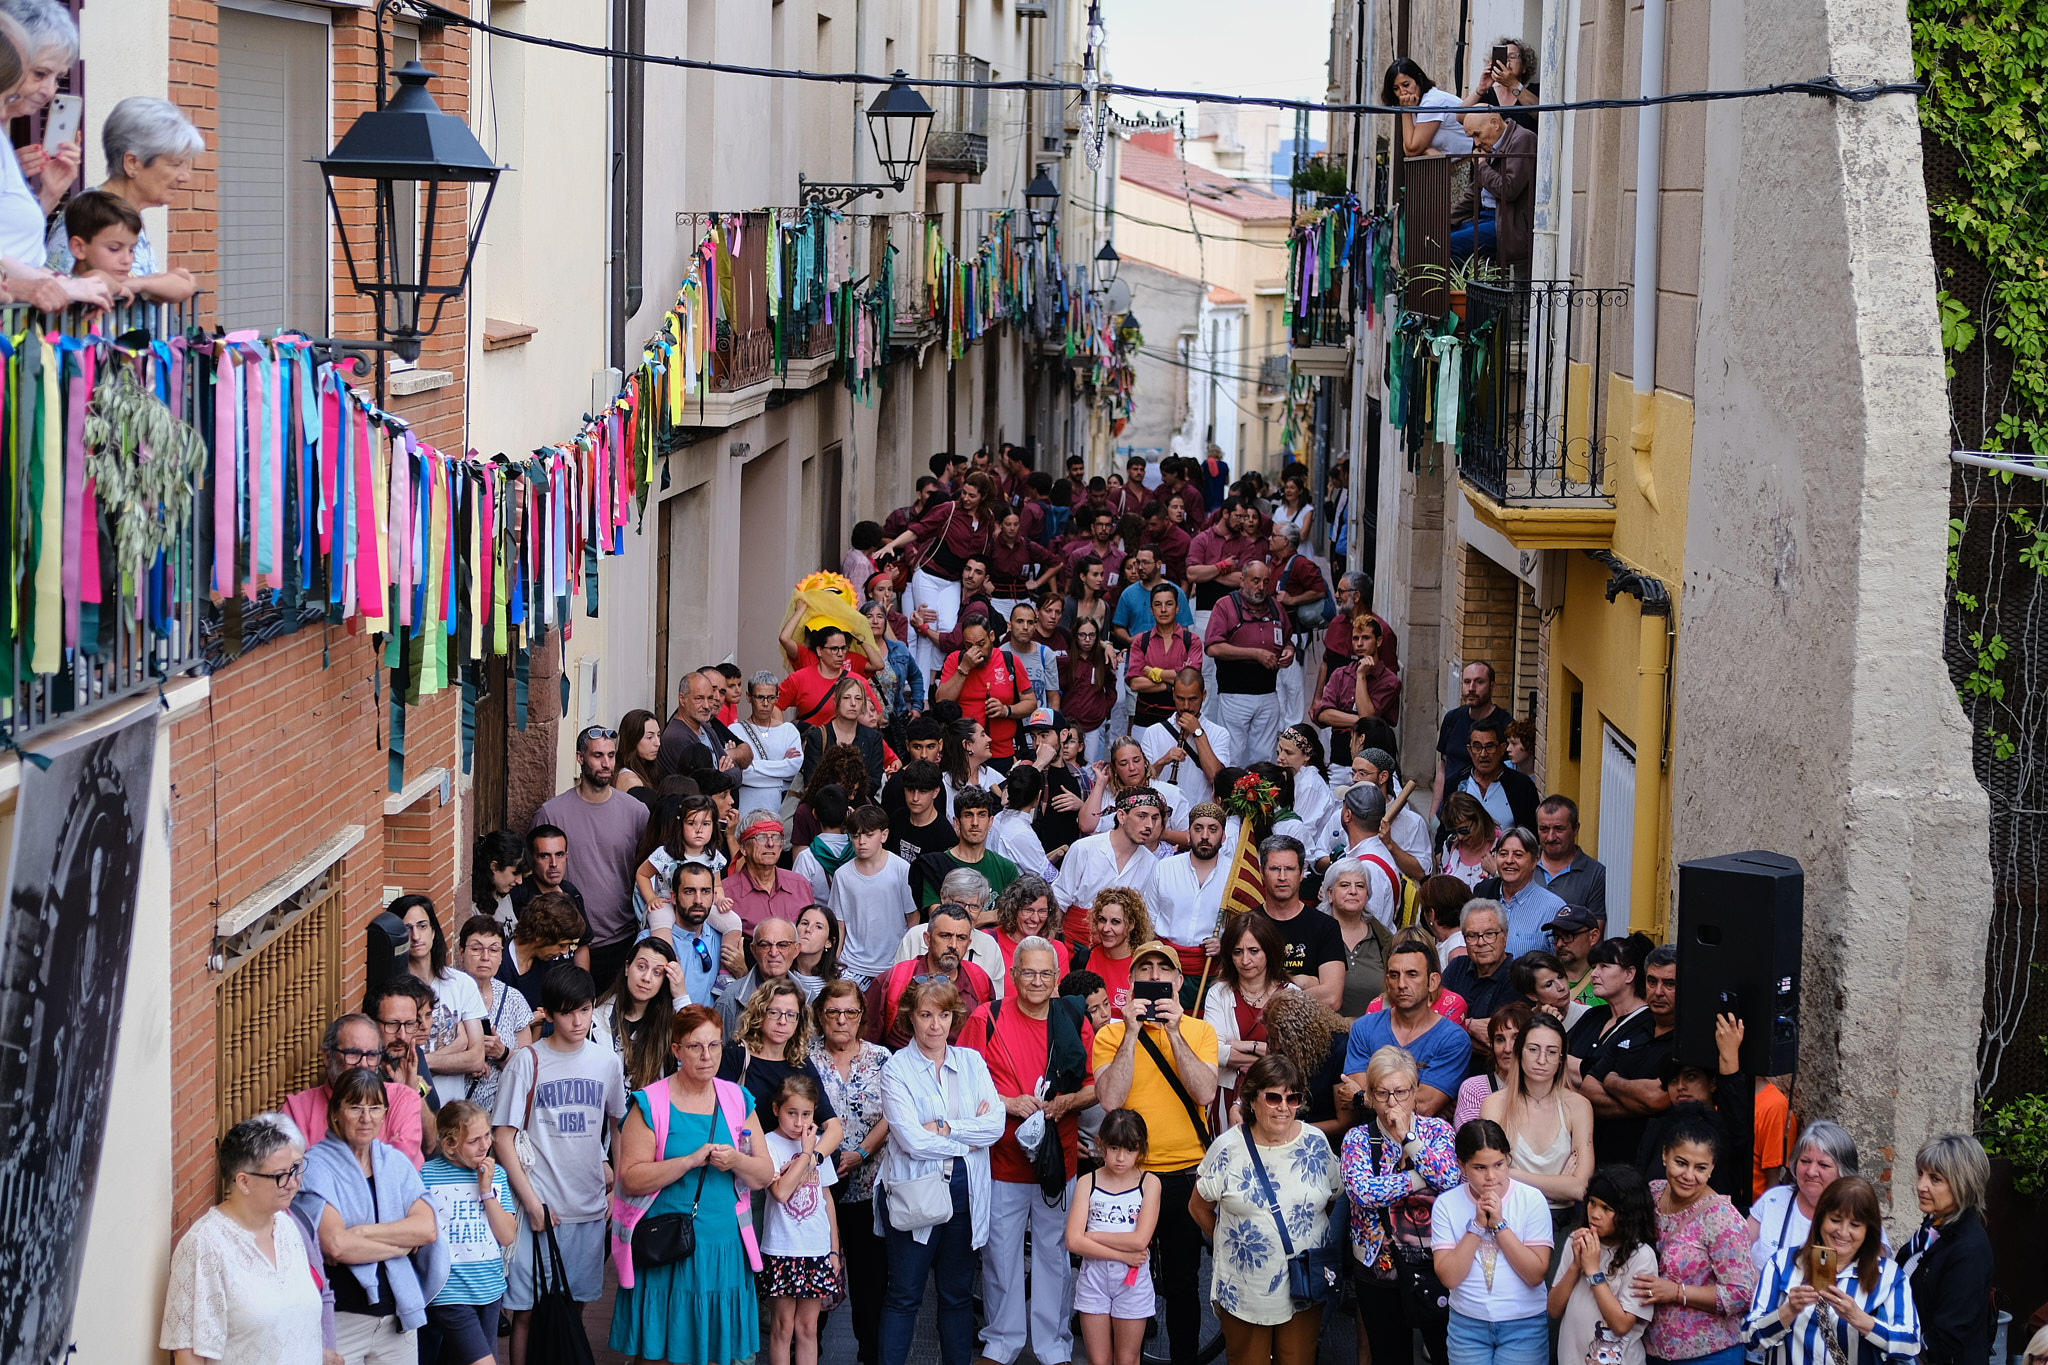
944	1114
777	744
1434	126
243	1290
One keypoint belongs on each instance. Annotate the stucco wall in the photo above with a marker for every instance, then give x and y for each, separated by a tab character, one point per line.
1814	714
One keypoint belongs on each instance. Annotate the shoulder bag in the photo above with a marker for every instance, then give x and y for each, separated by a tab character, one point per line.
925	1201
1314	1276
1173	1079
1427	1300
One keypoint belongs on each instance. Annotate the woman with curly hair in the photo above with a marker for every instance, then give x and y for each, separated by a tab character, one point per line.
1310	1034
1024	909
843	767
1120	923
775	1041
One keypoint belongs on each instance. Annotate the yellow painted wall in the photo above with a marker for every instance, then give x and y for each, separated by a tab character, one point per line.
1599	643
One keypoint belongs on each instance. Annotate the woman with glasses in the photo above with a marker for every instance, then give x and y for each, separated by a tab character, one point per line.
244	1283
1395	1165
1271	1167
372	1213
1549	1125
851	1069
775	1040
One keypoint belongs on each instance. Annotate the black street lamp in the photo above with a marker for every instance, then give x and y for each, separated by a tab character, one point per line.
1107	263
1042	199
899	121
409	142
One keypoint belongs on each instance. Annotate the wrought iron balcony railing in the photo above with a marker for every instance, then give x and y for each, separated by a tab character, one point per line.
86	630
957	147
1535	418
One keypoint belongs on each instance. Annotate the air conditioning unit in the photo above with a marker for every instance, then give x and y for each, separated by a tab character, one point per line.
1031	9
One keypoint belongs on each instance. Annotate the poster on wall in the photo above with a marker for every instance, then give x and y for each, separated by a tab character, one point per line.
66	926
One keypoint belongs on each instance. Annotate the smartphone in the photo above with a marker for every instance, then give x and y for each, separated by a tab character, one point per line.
62	122
1149	991
1822	1264
1499	57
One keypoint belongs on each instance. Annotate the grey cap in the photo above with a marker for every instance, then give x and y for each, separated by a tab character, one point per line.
1366	804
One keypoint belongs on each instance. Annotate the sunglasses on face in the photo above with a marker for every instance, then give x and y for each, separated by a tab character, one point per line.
1281	1099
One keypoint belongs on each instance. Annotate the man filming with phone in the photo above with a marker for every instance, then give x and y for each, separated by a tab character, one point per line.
1160	1062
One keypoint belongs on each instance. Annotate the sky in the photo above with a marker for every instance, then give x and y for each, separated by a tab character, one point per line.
1276	47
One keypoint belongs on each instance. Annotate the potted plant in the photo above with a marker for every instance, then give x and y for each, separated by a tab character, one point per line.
1457	278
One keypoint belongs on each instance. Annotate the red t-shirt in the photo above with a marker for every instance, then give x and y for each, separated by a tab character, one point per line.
808	692
975	692
1015	1054
1116	975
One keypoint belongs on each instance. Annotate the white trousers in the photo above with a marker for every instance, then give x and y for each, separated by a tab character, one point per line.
1051	1313
364	1340
1208	667
1290	694
1253	721
928	590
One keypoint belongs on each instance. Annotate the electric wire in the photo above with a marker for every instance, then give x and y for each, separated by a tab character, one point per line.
1824	87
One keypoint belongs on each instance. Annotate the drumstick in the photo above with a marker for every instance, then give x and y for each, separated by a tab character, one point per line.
1394	809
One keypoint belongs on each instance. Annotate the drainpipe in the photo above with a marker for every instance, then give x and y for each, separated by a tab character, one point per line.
1649	179
1653	665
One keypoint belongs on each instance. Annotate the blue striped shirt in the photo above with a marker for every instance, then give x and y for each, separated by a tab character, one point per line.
476	1263
1894	1334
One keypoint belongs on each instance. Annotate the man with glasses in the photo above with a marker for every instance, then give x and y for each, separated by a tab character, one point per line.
353	1041
774	954
1573	932
1441	1049
759	887
1032	1043
1481	974
694	739
1508	796
603	827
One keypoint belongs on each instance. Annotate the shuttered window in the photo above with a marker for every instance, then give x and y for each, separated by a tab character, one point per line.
273	209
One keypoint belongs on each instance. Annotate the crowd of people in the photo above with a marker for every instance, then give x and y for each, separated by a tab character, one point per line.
912	969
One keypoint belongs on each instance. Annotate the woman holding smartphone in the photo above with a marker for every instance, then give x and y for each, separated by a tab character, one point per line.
1838	1297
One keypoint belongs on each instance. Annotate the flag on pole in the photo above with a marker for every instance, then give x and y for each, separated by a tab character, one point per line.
1245	888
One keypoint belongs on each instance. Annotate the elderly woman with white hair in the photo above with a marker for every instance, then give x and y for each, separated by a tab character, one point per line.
777	744
965	886
151	147
36	42
245	1282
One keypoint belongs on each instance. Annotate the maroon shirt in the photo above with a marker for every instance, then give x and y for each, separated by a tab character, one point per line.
1087	691
1012	567
1112	563
1172	548
1262	627
952	536
1337	643
1213	547
1382	685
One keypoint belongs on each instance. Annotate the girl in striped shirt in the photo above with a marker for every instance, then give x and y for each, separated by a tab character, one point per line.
1860	1314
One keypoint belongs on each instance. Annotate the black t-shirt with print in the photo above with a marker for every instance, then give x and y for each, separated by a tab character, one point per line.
1311	938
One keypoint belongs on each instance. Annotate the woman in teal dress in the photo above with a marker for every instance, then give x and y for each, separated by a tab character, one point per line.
702	1310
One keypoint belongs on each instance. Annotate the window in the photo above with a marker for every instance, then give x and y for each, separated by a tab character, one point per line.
273	206
281	986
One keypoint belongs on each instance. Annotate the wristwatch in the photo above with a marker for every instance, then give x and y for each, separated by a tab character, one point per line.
1597	1277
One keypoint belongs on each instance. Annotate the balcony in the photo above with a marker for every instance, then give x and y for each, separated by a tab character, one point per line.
809	354
1272	378
956	153
1534	457
96	655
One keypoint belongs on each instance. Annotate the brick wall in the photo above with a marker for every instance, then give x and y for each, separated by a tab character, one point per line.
288	751
1484	618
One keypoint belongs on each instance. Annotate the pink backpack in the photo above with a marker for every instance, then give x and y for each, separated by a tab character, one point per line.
627	1211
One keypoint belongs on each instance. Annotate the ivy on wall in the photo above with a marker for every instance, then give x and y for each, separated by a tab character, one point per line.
1987	99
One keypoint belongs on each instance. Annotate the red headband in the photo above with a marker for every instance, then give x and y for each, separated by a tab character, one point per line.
760	827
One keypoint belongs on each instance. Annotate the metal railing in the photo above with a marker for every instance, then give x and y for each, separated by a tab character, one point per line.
748	358
1535	418
958	143
146	628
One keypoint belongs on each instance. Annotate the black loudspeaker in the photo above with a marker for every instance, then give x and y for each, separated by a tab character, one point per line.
1740	926
384	956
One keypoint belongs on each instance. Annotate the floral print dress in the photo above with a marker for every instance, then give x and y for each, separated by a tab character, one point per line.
857	1099
1704	1243
1250	1265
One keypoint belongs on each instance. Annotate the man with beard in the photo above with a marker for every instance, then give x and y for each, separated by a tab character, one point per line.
1247	636
1188	891
1183	749
950	932
697	944
603	828
694	738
